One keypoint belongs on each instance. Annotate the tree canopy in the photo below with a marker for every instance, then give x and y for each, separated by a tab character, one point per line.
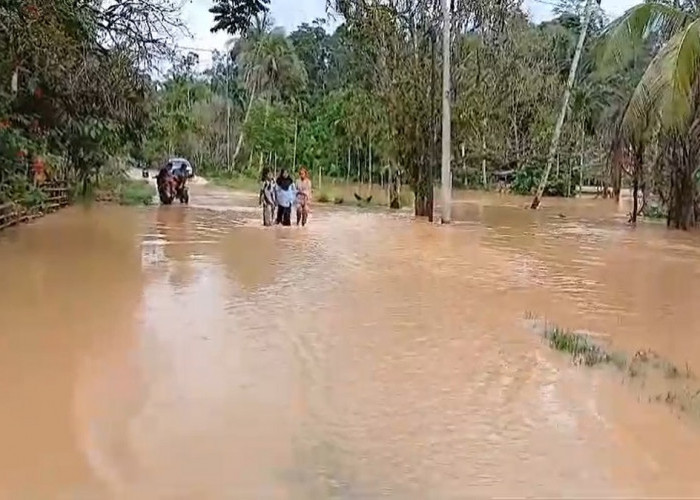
362	102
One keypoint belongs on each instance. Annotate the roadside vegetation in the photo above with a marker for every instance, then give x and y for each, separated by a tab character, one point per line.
359	104
136	192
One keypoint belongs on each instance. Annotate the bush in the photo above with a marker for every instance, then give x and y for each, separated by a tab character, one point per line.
655	212
136	192
528	178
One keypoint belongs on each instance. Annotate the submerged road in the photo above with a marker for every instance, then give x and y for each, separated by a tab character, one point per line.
188	352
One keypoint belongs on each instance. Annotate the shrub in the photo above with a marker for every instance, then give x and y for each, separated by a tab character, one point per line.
136	192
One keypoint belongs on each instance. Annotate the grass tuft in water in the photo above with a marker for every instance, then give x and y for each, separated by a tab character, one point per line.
646	370
136	192
582	349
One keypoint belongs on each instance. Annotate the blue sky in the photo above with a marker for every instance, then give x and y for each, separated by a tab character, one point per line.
291	13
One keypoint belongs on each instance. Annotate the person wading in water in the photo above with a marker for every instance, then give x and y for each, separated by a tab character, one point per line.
268	197
286	193
303	186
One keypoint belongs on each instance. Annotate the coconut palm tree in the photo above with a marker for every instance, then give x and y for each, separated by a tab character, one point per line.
565	104
667	97
269	66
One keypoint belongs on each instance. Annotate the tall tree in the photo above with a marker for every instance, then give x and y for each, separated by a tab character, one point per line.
235	16
556	135
269	66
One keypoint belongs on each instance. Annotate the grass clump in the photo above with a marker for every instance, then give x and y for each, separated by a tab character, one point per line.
136	192
646	371
582	349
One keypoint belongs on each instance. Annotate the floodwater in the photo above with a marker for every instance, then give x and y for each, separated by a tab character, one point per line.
186	352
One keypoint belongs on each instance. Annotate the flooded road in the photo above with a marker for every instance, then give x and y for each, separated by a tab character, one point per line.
187	352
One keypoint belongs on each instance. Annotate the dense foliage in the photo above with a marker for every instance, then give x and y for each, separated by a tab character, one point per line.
74	86
361	102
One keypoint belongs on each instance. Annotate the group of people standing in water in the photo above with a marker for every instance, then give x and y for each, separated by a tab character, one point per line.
278	196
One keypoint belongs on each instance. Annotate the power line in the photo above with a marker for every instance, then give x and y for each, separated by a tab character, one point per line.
551	4
196	49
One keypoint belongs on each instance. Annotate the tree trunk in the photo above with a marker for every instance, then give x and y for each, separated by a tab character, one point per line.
369	167
517	141
228	134
643	188
483	157
616	180
636	177
463	149
394	190
681	208
565	104
635	198
425	202
296	133
239	143
582	159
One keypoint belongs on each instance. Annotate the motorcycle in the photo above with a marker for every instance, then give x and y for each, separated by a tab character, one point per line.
171	187
165	182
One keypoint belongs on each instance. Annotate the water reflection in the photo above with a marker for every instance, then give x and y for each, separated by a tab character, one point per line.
186	352
71	291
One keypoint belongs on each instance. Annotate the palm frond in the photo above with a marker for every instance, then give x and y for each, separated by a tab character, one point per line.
637	25
666	91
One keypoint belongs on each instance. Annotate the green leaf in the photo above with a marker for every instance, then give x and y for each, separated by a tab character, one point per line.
665	92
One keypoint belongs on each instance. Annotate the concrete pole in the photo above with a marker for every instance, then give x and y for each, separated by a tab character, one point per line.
446	177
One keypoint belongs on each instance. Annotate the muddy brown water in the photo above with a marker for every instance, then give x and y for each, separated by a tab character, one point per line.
187	352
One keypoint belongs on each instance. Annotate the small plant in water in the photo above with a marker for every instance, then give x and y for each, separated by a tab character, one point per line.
650	370
581	348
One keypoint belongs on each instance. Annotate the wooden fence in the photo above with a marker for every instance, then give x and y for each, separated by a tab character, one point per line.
57	195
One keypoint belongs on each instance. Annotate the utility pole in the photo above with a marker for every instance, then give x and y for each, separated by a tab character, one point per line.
446	174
